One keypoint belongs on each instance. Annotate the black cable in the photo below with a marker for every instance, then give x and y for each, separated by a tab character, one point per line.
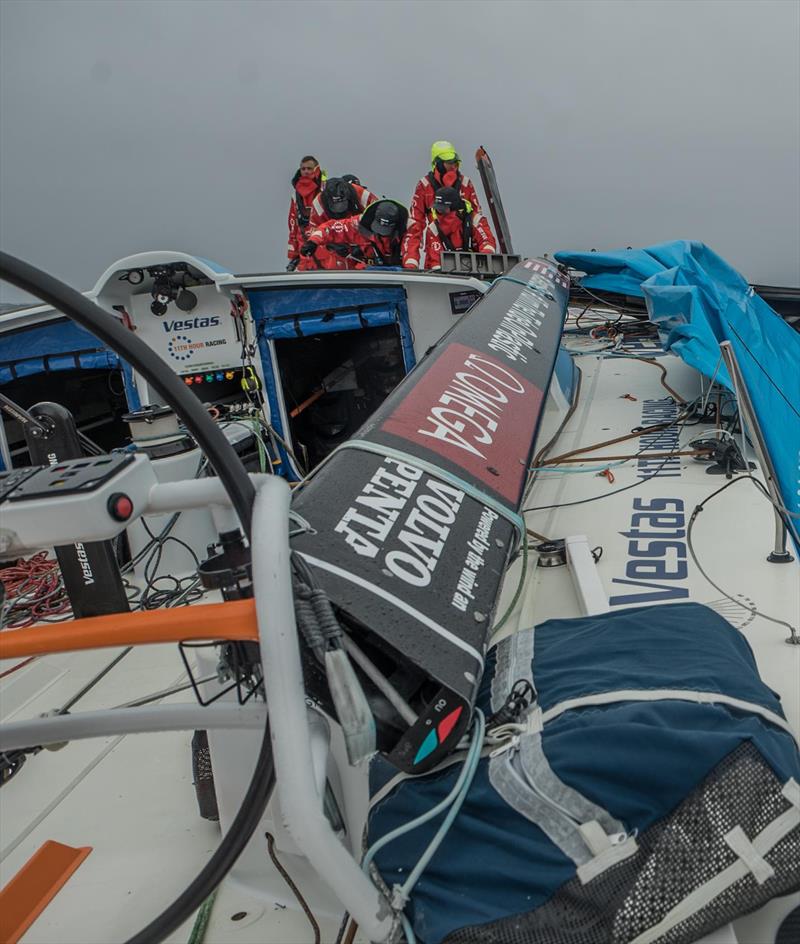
609	304
578	319
342	928
237	484
690	546
616	491
295	890
64	709
218	866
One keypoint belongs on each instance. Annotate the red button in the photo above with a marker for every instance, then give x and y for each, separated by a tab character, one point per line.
120	507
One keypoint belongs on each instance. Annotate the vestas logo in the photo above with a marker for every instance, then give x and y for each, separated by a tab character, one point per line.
189	323
657	564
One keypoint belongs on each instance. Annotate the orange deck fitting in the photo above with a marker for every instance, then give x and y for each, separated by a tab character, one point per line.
32	889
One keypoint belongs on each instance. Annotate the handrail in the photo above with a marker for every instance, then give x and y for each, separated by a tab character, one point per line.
233	620
779	553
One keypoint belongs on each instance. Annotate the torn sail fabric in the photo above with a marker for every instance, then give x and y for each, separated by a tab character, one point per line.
697	300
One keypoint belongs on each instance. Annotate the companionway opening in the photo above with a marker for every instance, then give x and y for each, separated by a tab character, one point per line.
333	382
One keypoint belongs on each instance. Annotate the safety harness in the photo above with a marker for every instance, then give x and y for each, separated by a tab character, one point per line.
466	231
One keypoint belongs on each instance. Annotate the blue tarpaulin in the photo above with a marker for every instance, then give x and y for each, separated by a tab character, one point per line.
697	300
54	345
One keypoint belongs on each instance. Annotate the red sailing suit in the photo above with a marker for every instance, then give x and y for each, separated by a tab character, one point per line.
306	188
450	232
375	250
422	204
319	214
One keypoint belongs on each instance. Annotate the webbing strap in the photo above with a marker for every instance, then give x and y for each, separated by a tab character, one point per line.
668	694
400	456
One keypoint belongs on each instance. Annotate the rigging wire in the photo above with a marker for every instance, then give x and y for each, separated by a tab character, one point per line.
765	372
692	552
637	312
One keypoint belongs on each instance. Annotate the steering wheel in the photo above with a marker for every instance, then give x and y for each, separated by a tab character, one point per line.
241	492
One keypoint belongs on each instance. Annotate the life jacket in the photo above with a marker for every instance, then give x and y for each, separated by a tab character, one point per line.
375	255
437	183
303	202
466	230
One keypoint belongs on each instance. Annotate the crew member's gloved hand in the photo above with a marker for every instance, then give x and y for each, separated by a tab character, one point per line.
292	265
340	250
308	249
356	252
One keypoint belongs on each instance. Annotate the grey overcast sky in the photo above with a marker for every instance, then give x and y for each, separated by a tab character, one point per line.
177	124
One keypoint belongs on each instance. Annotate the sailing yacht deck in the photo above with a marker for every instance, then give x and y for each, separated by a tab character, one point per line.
131	797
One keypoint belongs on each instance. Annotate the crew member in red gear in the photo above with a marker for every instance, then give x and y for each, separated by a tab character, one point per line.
307	182
455	226
373	239
445	172
338	200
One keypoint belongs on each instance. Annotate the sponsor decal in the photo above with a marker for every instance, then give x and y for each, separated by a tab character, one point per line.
477	547
663	440
645	346
419	539
515	335
656	554
472	410
83	560
550	273
182	348
80	549
188	324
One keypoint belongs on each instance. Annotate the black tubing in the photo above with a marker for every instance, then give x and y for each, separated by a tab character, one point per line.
242	494
105	326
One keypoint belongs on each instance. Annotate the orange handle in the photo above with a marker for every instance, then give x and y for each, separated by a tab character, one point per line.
209	621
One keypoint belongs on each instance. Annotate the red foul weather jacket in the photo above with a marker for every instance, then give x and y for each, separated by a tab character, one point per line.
319	214
367	249
300	210
455	231
421	205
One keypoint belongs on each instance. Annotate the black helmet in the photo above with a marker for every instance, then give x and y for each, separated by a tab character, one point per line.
351	179
339	198
386	219
447	199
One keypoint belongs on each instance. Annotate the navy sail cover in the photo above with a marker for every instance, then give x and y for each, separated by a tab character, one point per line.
654	743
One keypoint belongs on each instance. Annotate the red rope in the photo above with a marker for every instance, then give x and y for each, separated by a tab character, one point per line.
34	591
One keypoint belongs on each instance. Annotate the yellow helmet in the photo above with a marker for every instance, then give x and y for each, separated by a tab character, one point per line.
444	151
